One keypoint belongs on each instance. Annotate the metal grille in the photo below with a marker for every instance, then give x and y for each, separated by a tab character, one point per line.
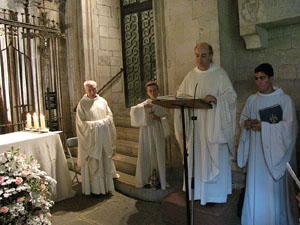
29	80
148	45
138	48
128	2
132	58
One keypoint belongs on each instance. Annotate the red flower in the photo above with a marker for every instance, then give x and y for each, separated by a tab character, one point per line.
4	209
19	180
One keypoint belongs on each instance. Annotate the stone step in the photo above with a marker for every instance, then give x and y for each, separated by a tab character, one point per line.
122	121
128	148
174	210
128	133
125	164
126	185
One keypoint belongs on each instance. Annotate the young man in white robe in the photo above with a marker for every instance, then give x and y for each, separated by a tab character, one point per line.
214	128
267	143
96	139
153	130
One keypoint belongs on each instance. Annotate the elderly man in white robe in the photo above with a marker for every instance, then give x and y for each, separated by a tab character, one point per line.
214	129
96	140
267	143
154	129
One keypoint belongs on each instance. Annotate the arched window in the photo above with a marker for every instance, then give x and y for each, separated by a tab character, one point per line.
138	46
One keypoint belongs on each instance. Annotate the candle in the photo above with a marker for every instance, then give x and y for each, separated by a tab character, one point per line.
28	118
42	119
35	121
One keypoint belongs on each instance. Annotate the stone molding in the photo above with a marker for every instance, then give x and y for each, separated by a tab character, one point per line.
256	16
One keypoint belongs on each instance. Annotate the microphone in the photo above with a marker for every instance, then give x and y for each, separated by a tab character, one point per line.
193	119
193	160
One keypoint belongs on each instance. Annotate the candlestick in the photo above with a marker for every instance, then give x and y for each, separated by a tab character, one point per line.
35	121
42	119
28	118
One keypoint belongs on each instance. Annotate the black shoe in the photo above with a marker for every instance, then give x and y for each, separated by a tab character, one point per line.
96	195
147	186
210	204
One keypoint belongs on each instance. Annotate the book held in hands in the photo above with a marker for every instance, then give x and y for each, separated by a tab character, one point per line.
271	114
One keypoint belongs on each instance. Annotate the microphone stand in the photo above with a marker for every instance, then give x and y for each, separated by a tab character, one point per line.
182	104
193	164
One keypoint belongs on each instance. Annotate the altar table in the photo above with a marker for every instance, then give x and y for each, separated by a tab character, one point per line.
47	149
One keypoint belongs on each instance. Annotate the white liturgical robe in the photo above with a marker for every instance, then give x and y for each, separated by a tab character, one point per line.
96	139
269	197
214	133
151	153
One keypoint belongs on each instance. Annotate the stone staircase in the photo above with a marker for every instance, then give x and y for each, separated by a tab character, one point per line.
125	161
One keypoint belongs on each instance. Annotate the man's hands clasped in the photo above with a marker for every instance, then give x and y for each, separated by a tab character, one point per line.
253	124
151	114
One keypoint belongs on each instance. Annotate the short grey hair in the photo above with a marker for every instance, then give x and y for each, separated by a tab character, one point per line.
211	52
90	82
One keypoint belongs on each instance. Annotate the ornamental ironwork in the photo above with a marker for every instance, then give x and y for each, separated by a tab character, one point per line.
138	48
29	67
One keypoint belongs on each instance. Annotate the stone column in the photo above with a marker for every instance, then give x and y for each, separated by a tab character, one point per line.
75	85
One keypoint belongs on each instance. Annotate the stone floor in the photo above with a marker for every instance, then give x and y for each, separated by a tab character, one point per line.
113	209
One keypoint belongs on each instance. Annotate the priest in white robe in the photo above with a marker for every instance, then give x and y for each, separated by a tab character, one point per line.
214	128
96	140
154	129
266	145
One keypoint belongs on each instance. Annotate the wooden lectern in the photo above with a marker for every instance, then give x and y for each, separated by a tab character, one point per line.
184	103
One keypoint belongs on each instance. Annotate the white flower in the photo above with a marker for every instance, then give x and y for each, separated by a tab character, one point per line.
21	176
2	159
6	195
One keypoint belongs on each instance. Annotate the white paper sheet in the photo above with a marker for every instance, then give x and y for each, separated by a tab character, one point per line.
291	171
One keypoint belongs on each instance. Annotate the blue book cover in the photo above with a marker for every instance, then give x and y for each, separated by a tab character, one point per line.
272	114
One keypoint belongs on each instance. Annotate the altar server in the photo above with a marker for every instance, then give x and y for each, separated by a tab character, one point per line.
214	128
96	138
267	143
154	129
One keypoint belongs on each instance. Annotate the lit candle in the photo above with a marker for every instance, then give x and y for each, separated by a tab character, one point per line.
42	119
28	118
35	121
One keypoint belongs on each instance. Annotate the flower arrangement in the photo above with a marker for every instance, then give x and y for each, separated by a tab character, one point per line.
24	190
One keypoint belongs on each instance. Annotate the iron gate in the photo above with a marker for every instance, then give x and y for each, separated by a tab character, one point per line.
29	70
138	48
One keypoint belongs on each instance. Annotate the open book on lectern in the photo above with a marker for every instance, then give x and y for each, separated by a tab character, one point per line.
174	97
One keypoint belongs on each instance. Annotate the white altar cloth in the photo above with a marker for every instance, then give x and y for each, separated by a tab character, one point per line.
47	149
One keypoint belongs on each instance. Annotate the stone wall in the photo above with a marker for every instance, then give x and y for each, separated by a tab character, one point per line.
110	52
256	16
217	22
282	51
186	23
94	50
73	62
179	26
